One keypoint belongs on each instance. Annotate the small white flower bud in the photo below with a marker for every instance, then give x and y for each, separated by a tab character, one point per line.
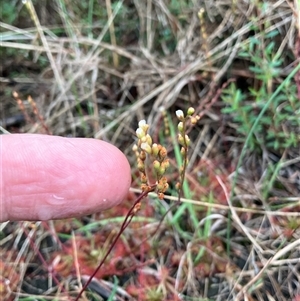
146	147
142	123
179	114
140	133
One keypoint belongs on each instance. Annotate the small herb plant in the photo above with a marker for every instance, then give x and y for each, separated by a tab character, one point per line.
154	157
244	106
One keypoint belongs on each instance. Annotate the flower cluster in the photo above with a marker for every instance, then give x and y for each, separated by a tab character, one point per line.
144	149
184	140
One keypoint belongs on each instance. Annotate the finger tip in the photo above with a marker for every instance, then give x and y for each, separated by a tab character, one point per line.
62	177
118	173
103	180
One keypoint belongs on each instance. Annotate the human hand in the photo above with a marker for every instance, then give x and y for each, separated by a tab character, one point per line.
49	177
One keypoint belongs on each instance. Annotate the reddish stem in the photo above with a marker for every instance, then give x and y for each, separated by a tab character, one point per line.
125	223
